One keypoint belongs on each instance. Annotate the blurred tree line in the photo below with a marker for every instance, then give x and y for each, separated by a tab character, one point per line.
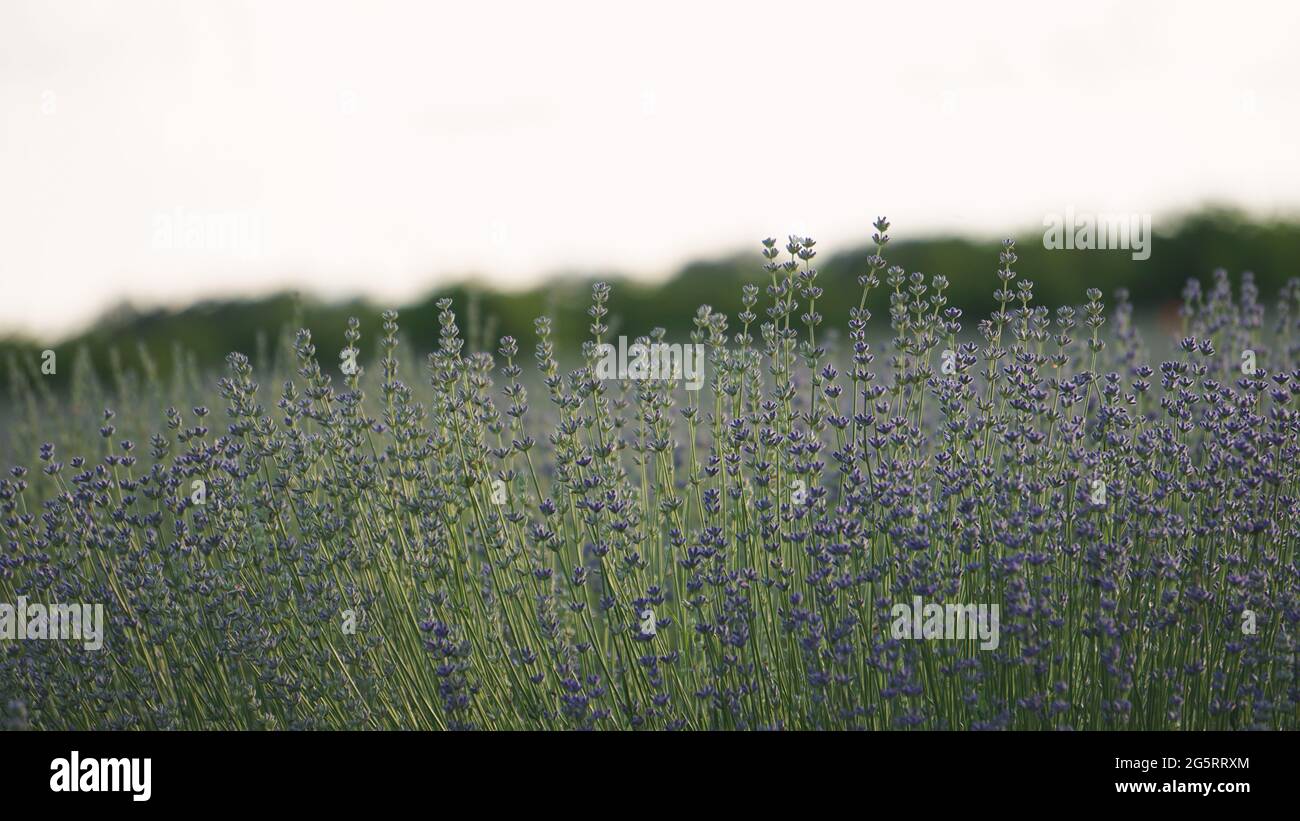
1193	246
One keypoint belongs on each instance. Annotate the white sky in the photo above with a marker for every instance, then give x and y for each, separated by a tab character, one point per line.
380	148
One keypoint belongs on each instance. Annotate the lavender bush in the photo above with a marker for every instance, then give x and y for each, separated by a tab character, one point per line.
627	554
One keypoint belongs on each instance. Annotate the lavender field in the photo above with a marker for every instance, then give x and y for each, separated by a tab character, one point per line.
514	539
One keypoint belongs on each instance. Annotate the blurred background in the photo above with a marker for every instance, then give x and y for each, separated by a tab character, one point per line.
200	175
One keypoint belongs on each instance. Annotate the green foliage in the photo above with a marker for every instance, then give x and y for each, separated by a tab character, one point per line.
1191	247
